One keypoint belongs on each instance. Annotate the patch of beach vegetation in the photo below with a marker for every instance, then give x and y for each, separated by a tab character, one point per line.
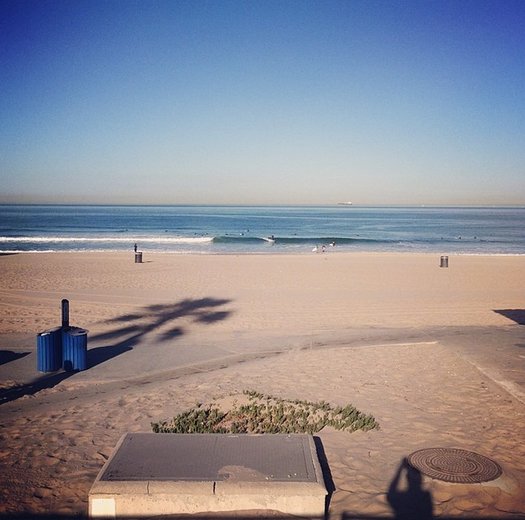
253	412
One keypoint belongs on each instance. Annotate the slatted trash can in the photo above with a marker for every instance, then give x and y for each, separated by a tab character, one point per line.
138	257
74	349
49	350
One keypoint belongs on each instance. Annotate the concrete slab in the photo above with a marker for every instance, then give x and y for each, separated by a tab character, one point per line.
161	474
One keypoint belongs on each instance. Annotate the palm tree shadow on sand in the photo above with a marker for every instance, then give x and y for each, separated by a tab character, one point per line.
161	318
129	331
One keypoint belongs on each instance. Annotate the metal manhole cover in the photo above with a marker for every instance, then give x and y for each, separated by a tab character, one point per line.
454	465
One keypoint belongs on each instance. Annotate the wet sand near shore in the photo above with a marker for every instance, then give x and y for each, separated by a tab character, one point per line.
158	345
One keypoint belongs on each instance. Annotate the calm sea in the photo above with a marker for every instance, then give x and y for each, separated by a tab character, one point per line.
279	229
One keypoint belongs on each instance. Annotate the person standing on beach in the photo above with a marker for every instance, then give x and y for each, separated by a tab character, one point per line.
135	247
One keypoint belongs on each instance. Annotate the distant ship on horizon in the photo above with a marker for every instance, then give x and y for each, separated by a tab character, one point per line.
344	203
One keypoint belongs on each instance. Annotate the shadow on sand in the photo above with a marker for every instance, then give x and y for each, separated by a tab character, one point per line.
352	516
408	500
6	356
517	315
41	383
131	328
327	474
128	332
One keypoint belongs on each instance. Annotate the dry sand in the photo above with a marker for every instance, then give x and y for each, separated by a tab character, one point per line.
435	354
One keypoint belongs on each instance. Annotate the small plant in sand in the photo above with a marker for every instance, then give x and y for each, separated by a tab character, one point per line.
254	412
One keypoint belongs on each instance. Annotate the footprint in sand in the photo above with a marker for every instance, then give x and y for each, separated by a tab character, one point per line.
43	492
51	460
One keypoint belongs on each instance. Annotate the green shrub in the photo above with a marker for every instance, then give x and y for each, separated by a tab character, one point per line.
267	414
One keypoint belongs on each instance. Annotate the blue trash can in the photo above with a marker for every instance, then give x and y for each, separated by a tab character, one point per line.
74	349
49	350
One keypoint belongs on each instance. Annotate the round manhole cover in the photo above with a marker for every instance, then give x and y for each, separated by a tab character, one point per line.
454	465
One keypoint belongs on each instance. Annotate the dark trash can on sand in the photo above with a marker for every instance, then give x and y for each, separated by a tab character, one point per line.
443	261
138	257
74	349
49	350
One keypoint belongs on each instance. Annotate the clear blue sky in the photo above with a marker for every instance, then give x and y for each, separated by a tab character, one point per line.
266	102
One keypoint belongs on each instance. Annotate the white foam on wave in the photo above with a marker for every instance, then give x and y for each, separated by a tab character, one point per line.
164	240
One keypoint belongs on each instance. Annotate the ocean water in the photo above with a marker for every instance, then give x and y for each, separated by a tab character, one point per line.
271	230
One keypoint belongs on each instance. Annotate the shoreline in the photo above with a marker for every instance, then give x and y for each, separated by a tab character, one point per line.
329	251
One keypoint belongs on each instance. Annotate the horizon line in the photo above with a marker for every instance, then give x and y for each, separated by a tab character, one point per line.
248	205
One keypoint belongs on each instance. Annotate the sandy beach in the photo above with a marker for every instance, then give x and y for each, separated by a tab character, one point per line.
436	355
